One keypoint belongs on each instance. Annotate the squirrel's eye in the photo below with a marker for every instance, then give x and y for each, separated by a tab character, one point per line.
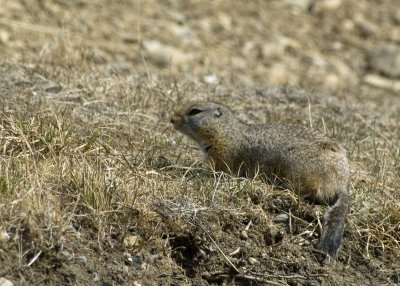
194	111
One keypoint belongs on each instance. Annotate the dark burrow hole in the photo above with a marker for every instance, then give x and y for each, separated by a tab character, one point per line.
184	252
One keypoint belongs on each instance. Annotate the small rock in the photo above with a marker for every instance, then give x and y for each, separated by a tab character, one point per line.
311	283
135	283
128	257
52	87
177	17
5	282
154	257
250	49
82	259
244	235
337	45
281	218
365	28
331	81
327	5
4	236
182	32
129	38
96	277
386	59
277	46
131	241
248	244
225	21
395	34
345	72
138	262
278	74
319	61
164	55
348	25
4	37
210	79
300	4
396	16
252	261
382	82
66	254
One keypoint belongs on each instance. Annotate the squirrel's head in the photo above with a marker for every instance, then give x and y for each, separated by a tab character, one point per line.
202	120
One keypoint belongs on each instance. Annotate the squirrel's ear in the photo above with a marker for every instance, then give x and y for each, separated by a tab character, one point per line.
218	112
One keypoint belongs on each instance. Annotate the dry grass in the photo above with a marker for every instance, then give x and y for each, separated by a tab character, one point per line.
109	166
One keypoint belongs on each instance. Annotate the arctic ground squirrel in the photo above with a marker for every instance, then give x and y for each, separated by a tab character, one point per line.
303	160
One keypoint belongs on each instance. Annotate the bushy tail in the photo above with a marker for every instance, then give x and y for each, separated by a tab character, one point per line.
334	224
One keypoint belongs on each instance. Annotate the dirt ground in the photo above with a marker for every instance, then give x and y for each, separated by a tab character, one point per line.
96	188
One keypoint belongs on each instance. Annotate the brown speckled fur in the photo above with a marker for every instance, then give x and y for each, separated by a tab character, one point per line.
306	161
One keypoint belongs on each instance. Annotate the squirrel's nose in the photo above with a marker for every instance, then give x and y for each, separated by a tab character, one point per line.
177	121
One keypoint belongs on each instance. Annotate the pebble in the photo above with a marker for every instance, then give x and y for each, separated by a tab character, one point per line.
163	55
128	257
311	283
210	79
327	5
225	21
4	236
385	59
5	282
249	49
82	259
277	46
66	254
182	32
300	4
138	263
345	72
177	17
131	241
129	38
382	82
252	260
331	81
4	37
281	218
52	87
365	28
96	277
278	73
244	235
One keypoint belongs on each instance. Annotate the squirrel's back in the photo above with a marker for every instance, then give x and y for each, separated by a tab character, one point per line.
311	163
